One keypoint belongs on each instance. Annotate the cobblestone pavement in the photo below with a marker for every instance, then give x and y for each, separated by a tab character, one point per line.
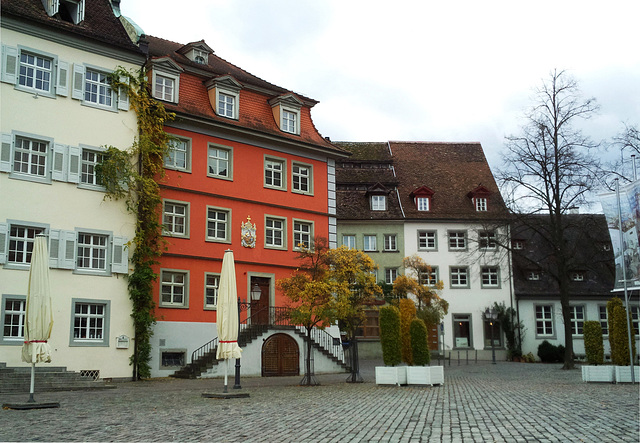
512	402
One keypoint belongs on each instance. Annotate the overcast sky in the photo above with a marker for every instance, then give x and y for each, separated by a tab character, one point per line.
419	70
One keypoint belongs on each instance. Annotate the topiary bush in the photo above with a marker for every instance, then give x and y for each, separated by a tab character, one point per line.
611	304
618	336
407	314
593	345
390	335
549	353
419	343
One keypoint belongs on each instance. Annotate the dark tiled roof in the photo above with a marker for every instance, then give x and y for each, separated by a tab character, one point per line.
99	24
363	152
194	99
590	252
354	205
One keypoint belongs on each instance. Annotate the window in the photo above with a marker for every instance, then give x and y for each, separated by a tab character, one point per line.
97	89
635	318
604	319
422	203
427	240
371	325
390	275
21	241
301	178
457	240
179	155
90	323
13	318
461	331
274	235
459	277
378	202
517	244
30	157
172	359
487	240
36	72
577	276
481	204
274	173
92	252
164	88
211	282
490	277
577	320
430	278
302	234
88	163
492	331
286	112
290	121
533	276
226	105
544	321
220	162
390	242
349	241
218	224
370	243
175	219
174	287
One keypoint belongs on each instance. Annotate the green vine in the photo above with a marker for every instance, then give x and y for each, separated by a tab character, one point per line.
133	176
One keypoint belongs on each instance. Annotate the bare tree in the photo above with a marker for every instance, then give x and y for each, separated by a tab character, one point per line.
550	169
629	140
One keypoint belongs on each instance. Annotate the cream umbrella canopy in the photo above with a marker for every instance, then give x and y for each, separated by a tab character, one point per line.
227	314
39	315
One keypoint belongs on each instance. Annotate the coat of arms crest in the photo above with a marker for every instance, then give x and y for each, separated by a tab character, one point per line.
248	233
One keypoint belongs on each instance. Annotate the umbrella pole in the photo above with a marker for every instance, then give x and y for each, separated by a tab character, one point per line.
226	369
33	377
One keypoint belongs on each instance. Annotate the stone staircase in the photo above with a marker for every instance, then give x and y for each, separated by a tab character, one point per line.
16	380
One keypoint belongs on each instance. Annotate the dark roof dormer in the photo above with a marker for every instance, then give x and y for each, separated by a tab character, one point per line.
480	198
377	195
286	112
197	52
422	197
71	11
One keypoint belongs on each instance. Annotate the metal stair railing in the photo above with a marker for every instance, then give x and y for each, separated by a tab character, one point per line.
204	350
325	341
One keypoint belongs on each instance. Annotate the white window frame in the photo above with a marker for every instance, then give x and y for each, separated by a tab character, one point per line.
427	240
299	235
270	229
172	284
635	318
544	319
285	120
44	160
603	318
298	178
487	240
370	243
87	168
211	287
490	277
378	202
578	276
533	275
227	224
390	275
423	204
390	242
160	90
578	317
91	322
228	175
100	85
459	277
457	240
481	204
53	61
11	224
18	315
432	278
272	174
92	251
169	227
182	145
349	241
223	106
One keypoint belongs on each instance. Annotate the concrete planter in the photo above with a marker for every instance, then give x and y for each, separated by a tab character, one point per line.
391	375
418	375
623	374
601	373
437	375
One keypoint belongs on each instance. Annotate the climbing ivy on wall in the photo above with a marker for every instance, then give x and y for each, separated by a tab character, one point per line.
132	175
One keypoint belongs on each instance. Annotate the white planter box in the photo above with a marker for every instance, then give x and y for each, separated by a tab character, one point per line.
391	375
437	375
623	374
418	375
601	373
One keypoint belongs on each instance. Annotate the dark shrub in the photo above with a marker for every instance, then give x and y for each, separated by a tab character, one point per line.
549	353
390	335
419	344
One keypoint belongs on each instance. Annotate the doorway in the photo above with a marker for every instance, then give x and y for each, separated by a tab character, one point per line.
280	356
260	305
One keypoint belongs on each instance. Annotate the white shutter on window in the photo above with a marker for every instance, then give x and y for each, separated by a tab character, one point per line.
78	81
9	64
5	153
62	78
51	6
59	169
74	164
120	256
80	11
67	249
4	234
54	248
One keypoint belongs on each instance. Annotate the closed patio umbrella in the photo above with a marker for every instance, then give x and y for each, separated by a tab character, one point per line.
39	315
227	314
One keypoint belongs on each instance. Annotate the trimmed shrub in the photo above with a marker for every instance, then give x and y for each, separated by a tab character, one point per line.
549	353
611	304
390	335
593	345
619	338
419	344
407	314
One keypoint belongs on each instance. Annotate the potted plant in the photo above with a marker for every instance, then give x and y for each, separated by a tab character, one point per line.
390	374
595	370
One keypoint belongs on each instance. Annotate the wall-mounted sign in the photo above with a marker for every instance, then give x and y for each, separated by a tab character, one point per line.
248	232
122	342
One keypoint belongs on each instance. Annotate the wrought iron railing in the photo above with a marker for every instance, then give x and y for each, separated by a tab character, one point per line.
204	349
326	341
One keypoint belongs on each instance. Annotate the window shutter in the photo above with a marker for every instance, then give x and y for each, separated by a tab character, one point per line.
123	97
62	78
4	234
59	170
54	248
120	256
9	64
5	153
68	249
51	6
80	11
74	164
78	81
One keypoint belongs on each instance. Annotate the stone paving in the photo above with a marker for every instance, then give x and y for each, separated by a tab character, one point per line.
512	402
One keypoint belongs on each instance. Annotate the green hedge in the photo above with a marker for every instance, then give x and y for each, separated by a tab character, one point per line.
593	345
390	335
618	336
419	343
549	353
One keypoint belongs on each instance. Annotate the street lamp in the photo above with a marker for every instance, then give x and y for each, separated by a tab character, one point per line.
491	315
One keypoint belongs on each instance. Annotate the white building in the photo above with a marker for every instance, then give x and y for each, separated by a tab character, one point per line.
58	113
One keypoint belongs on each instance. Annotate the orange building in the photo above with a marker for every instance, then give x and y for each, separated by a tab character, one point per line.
248	172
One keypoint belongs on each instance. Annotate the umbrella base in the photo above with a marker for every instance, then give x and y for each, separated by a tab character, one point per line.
225	395
30	405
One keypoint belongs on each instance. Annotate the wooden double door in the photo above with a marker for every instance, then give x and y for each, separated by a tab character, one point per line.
280	356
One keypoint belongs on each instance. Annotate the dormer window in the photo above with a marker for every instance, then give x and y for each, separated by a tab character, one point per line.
481	204
165	78
71	11
286	112
224	96
480	198
533	275
378	202
197	52
422	198
200	57
577	276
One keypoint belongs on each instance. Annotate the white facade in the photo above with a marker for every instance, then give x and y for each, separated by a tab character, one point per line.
57	116
474	278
